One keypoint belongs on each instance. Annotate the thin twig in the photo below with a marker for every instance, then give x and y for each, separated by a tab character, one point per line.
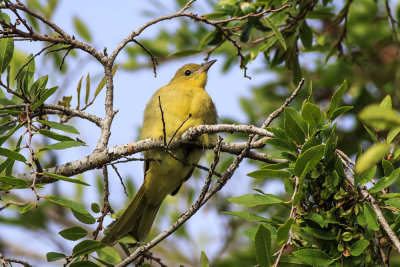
31	152
163	122
277	112
65	56
120	179
307	8
177	130
13	203
217	152
393	22
4	261
37	54
106	204
152	57
291	215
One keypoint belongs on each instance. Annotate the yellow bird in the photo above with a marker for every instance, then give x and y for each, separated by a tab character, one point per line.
184	98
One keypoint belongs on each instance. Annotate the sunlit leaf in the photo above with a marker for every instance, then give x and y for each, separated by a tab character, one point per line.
82	30
276	31
59	126
73	233
371	156
313	256
6	52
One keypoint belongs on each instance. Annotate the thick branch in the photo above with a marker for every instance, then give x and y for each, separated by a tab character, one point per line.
99	158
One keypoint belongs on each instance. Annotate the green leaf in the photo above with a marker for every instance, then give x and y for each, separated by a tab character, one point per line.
313	256
251	200
39	85
296	70
247	8
55	136
6	52
185	53
386	103
390	195
26	208
387	167
59	126
85	218
262	243
65	178
11	154
340	111
204	260
78	90
276	31
87	89
313	141
46	94
370	217
295	126
385	182
306	35
322	221
358	247
95	207
213	38
283	232
13	181
82	30
377	117
372	134
308	160
4	101
73	233
267	173
83	264
248	216
366	176
245	34
311	114
251	232
393	133
75	207
336	98
25	76
320	233
393	202
102	82
62	145
109	254
278	144
330	147
86	247
54	256
371	156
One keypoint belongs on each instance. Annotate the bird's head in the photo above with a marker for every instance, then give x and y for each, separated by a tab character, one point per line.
193	74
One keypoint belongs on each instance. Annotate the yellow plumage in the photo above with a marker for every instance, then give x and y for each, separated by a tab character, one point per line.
184	95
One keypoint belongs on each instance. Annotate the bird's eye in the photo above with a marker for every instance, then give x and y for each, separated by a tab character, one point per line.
188	72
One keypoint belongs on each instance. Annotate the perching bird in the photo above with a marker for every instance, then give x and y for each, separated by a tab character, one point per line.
184	98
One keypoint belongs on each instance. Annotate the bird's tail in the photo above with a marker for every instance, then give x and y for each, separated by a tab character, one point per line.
136	220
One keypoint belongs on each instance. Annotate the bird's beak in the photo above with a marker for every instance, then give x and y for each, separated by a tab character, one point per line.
206	66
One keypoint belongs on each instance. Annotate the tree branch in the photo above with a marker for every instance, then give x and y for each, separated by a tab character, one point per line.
364	192
99	158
